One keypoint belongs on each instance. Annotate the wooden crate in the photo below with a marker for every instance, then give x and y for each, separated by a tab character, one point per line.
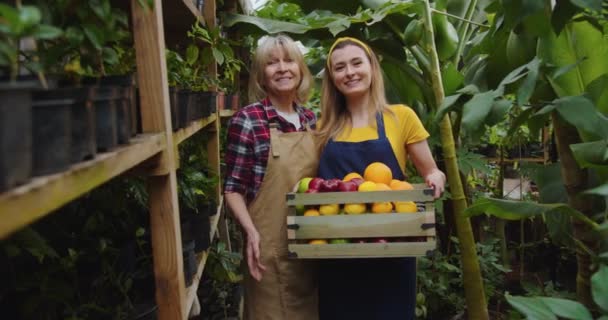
409	234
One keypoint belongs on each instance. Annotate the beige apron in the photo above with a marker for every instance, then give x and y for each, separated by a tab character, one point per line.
288	289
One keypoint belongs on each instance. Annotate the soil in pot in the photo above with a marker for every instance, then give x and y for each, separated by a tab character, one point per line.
15	135
51	130
104	100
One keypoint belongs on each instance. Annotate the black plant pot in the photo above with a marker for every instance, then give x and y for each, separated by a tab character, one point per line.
15	135
206	107
83	144
173	104
189	261
123	115
201	229
51	130
212	101
104	100
195	109
183	105
210	207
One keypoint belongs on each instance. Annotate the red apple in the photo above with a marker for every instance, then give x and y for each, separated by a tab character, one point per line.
380	240
315	184
357	181
312	191
330	185
347	186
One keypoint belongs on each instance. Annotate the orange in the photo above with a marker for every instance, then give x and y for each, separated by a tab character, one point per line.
378	172
382	187
367	186
329	209
319	241
351	176
311	213
401	185
406	207
382	207
354	208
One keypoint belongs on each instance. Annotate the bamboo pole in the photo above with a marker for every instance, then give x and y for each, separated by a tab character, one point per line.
473	284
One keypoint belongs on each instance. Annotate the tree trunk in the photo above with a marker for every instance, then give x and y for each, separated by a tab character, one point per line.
473	284
576	181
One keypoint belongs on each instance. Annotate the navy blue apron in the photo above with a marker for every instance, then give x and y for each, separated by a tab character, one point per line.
374	288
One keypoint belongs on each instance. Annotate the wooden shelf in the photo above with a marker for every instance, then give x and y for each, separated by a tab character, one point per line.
42	195
226	113
201	260
182	134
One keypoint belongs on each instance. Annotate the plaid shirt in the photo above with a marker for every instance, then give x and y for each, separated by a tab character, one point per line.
249	142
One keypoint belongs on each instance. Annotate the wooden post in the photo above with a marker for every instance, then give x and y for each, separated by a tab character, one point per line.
148	33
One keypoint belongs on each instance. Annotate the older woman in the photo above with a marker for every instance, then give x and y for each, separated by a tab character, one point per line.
359	128
269	150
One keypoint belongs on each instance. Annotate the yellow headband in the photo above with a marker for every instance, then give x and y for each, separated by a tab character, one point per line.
357	41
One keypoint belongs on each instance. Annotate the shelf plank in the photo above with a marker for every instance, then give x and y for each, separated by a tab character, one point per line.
182	134
28	203
226	113
202	259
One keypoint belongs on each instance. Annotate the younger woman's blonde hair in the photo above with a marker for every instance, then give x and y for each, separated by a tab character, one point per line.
261	57
334	113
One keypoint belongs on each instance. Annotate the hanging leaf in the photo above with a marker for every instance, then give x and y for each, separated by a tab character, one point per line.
580	112
591	154
451	77
601	190
599	287
532	308
595	5
267	25
527	88
192	54
567	308
475	111
447	106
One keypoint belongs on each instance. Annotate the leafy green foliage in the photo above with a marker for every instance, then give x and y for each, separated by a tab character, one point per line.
224	265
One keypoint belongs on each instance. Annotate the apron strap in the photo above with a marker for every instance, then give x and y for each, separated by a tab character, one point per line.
274	139
380	126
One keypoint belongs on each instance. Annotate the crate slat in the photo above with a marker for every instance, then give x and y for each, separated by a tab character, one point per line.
361	226
361	250
359	197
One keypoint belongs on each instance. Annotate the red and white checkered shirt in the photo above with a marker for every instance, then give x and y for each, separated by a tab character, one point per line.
248	144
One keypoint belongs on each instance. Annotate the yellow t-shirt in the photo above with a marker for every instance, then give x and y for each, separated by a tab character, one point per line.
401	129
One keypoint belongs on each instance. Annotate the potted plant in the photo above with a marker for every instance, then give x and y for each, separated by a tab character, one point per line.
17	23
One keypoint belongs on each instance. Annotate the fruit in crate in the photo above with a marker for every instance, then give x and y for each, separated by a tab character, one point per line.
367	186
329	209
318	241
338	241
406	207
400	185
331	185
355	208
300	209
303	184
357	181
351	176
347	186
378	172
382	207
315	184
311	213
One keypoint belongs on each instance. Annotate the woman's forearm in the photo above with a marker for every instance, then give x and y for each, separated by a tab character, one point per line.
236	203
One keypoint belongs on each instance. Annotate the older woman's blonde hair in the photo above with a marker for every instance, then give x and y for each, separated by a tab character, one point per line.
334	113
261	57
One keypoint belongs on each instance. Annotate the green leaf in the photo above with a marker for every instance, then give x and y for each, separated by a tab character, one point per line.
498	111
518	210
446	106
527	88
451	77
192	54
476	110
267	25
599	287
601	190
580	112
10	15
567	309
532	308
588	4
562	13
109	56
338	26
218	56
591	154
46	32
469	161
93	33
598	94
29	16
